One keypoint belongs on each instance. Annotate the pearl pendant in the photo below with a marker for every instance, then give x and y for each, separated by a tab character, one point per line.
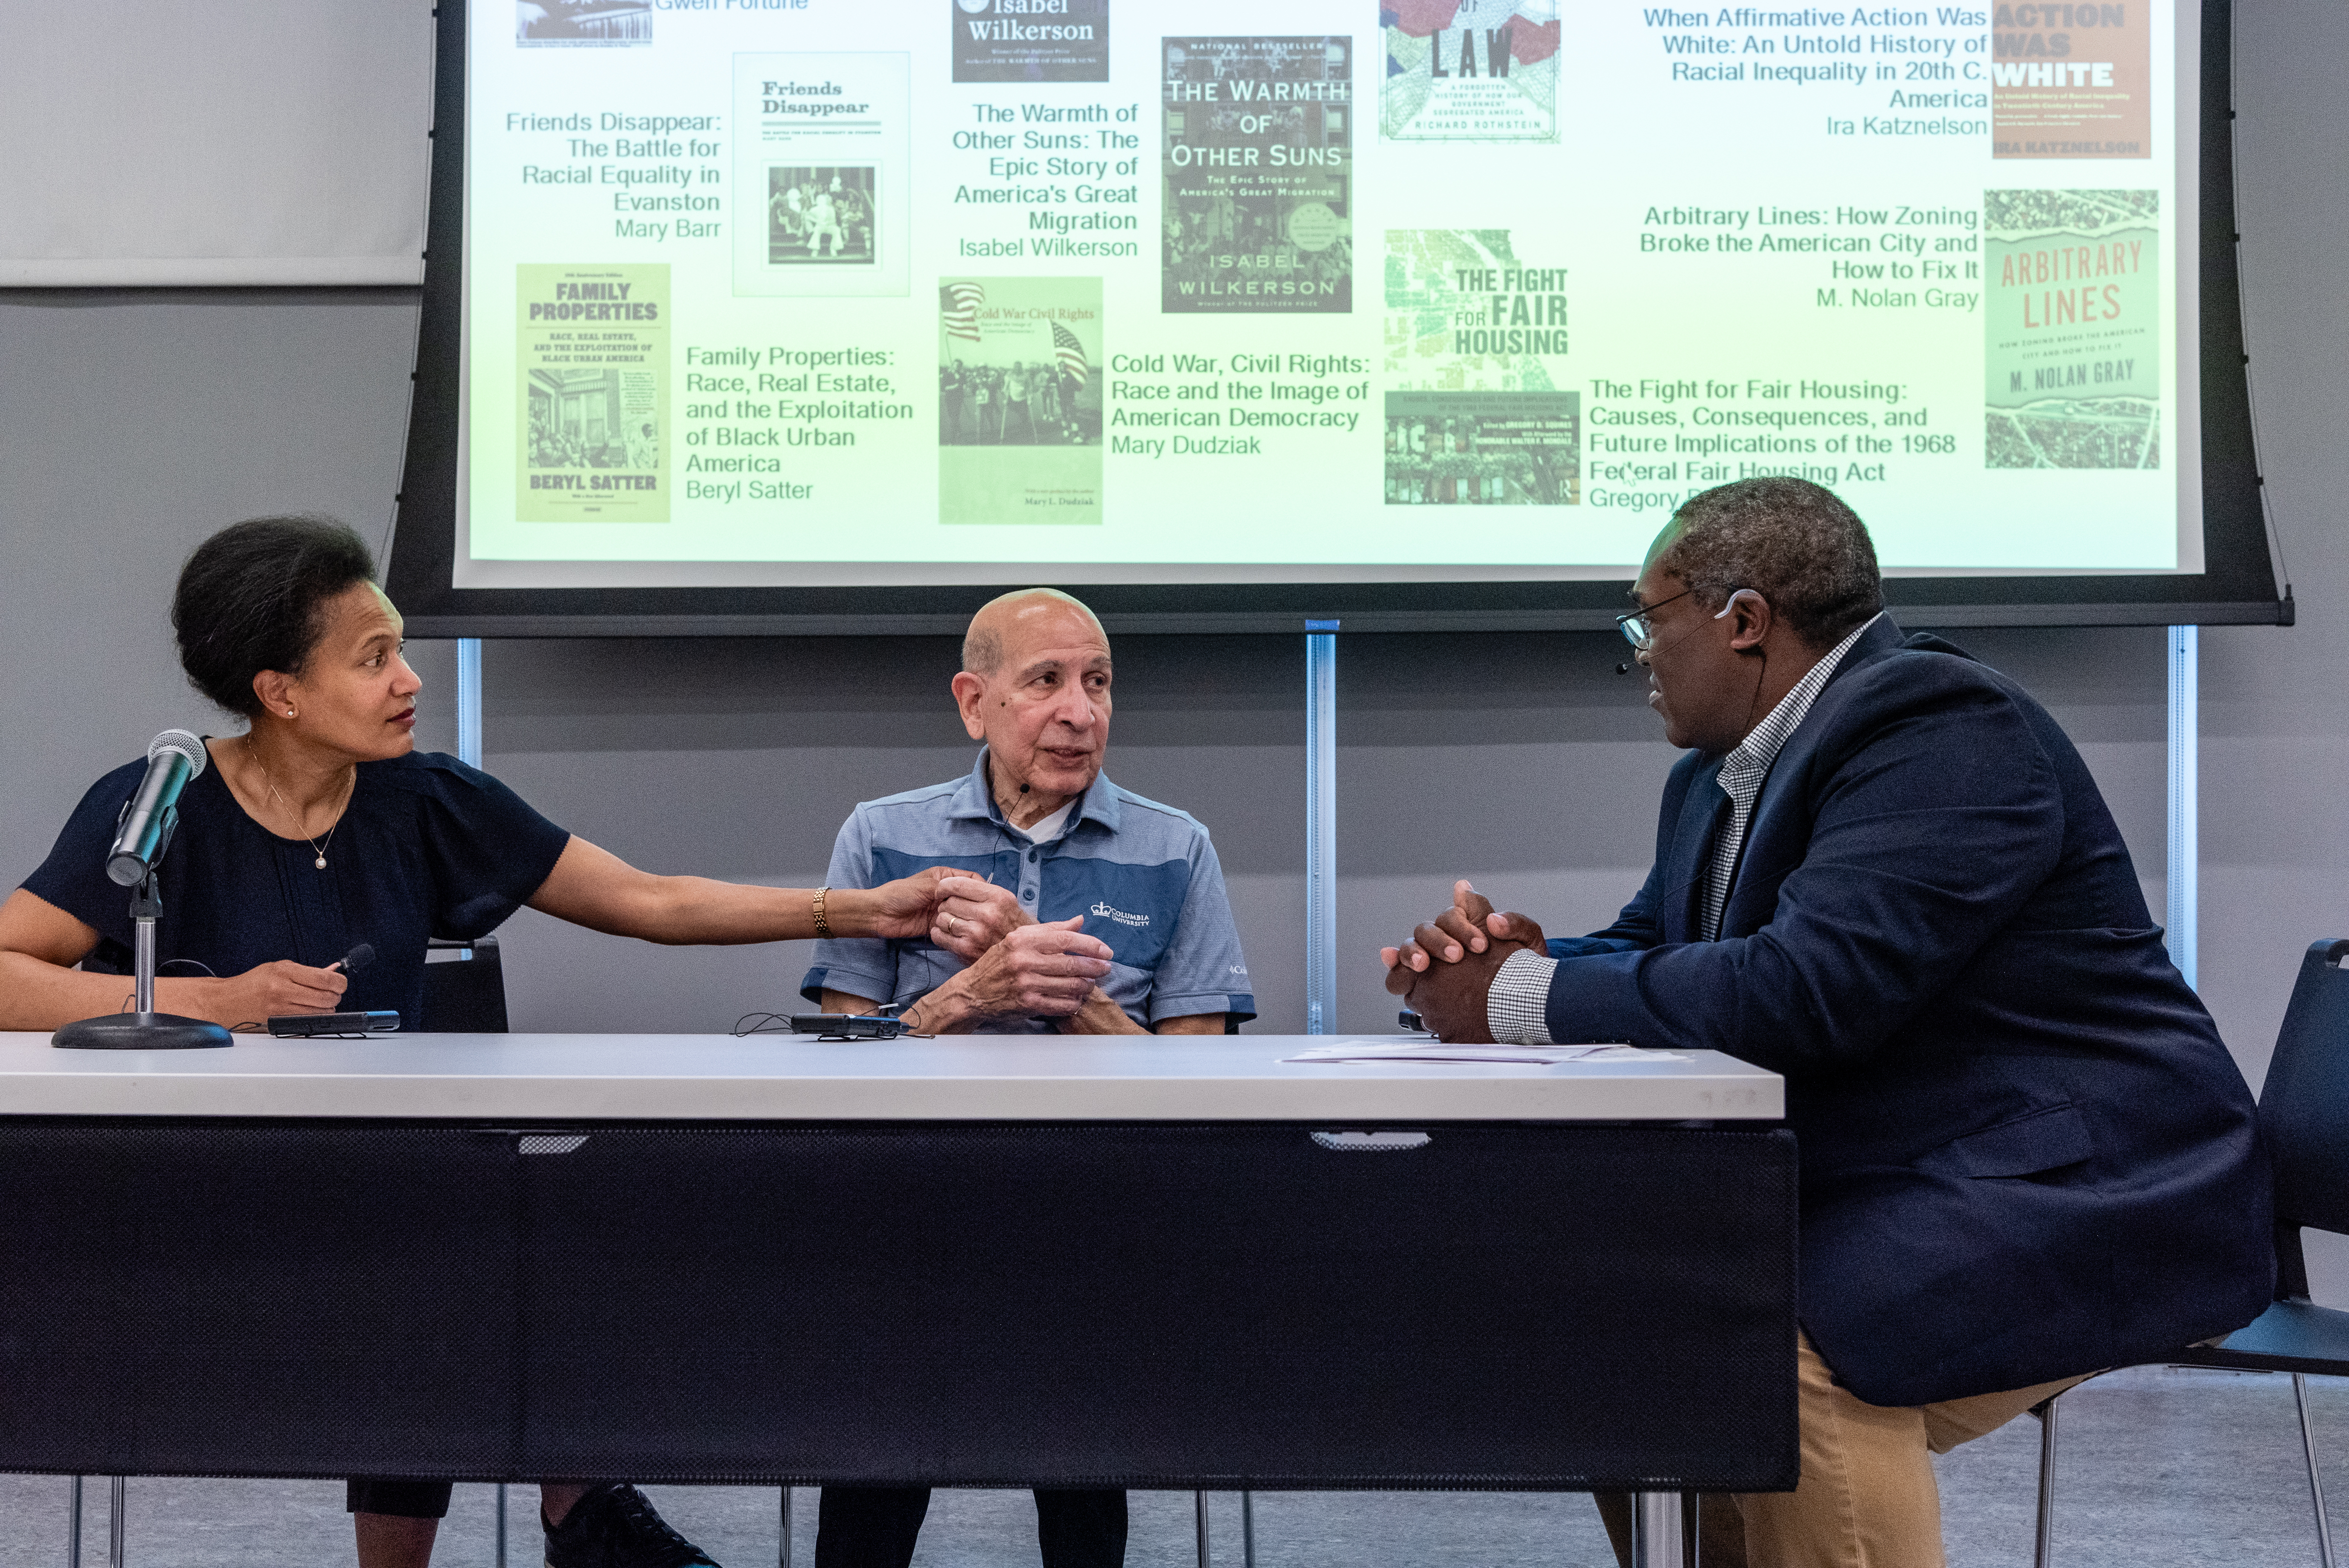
320	862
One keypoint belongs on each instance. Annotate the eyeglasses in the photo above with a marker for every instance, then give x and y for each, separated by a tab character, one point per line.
1635	626
1641	635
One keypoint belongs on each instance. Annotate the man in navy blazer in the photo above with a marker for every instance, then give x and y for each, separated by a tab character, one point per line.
1883	873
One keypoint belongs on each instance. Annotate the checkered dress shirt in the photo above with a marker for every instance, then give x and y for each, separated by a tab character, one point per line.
1517	1008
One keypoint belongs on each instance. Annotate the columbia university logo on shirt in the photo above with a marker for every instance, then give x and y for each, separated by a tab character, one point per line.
1120	916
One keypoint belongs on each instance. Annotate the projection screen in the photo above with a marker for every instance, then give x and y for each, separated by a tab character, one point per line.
777	314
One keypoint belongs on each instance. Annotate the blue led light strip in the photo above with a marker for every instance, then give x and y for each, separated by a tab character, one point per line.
1321	827
2185	796
469	700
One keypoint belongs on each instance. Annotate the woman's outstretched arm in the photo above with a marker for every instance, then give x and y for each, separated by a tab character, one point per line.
595	888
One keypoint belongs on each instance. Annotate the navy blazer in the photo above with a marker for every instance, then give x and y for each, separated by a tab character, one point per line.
2026	1153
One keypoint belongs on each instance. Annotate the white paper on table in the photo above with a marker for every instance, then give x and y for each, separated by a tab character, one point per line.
1516	1055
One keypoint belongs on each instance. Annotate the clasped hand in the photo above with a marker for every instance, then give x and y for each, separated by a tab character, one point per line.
964	914
1446	967
1019	967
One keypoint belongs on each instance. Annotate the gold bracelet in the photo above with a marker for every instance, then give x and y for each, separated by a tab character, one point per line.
823	925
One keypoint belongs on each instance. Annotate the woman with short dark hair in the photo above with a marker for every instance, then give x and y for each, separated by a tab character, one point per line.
322	827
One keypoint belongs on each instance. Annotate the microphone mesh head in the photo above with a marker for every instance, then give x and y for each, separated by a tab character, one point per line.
190	746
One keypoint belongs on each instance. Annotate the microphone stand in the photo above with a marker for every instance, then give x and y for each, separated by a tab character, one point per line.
144	1029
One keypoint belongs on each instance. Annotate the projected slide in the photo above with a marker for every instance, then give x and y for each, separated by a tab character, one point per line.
826	292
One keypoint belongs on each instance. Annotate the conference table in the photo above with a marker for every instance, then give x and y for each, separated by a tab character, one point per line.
1183	1262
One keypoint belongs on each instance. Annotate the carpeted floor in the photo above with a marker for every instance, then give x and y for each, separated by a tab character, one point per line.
2160	1468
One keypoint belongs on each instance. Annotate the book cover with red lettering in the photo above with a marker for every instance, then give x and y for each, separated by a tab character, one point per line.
2072	306
1469	70
2071	80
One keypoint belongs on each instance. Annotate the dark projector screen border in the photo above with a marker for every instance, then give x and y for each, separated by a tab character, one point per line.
2237	587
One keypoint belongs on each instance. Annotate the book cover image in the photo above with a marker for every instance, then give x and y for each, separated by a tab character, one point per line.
1259	152
1031	40
1484	449
2077	83
1469	70
821	215
1466	313
591	357
1020	400
573	24
820	174
1475	416
2072	307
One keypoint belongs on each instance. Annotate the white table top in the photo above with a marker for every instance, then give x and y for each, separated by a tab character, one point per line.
716	1078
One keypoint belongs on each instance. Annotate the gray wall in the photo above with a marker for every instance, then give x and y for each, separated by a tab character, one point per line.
132	424
2275	705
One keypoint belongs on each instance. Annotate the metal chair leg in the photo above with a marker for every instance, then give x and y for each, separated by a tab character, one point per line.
114	1524
1248	1531
502	1525
1200	1500
1657	1531
73	1525
2044	1552
783	1547
2315	1487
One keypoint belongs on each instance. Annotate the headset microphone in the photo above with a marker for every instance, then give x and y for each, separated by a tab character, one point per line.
1622	670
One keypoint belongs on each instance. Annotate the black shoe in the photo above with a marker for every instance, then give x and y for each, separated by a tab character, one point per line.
614	1527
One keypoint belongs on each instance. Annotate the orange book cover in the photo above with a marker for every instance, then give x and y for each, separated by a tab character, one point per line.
2070	80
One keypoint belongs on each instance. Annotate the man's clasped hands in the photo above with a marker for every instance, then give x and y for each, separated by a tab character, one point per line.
1023	967
1446	967
1019	966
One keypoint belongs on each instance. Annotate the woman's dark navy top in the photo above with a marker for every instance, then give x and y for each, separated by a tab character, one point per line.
428	847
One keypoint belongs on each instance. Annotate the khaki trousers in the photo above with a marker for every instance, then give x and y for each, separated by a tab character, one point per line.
1867	1497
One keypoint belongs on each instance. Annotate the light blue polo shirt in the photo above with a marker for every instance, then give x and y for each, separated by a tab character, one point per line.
1144	876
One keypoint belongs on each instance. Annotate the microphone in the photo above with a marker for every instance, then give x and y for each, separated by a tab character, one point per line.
1622	670
357	959
173	758
140	838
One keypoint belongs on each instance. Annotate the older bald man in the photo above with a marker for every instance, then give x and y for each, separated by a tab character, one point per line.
1086	909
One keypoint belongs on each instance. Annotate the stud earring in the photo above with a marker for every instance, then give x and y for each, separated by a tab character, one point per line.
289	712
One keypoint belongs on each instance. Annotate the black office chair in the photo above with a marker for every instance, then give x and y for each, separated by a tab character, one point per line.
465	995
2304	1118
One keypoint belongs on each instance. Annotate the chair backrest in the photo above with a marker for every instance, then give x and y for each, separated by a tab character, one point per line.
2304	1109
465	996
